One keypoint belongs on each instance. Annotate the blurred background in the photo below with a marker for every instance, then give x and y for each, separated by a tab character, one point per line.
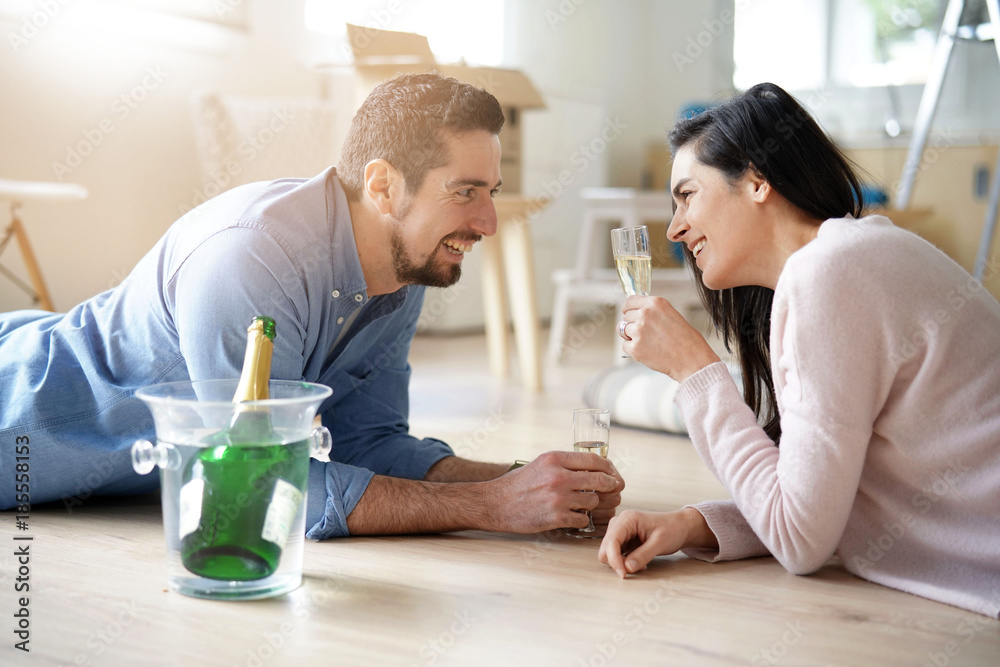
128	98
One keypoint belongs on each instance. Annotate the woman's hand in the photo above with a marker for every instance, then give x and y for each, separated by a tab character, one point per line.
635	538
659	337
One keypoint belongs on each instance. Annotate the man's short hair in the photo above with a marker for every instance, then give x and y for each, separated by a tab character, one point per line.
402	120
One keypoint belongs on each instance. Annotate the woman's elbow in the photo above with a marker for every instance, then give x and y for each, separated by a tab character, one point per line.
803	561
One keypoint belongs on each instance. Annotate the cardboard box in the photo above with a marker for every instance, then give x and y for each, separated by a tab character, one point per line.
382	54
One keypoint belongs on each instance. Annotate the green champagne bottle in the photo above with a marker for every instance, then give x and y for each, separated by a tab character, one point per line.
242	490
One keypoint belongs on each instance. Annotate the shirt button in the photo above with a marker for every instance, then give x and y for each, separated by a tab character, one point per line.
336	294
340	320
359	298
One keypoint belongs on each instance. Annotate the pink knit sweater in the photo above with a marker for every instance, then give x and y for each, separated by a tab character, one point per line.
886	363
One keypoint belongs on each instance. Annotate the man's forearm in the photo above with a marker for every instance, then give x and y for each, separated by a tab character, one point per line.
392	506
455	469
545	494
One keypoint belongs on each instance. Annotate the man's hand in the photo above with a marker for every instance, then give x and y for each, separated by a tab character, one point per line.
553	491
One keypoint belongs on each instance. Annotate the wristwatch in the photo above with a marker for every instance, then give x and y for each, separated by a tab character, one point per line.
517	464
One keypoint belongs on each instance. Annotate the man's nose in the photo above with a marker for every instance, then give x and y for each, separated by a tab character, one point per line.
485	221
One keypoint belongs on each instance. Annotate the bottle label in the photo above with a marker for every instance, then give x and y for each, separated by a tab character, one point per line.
281	512
190	506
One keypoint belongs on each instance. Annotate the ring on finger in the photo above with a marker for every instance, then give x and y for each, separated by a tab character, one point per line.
621	330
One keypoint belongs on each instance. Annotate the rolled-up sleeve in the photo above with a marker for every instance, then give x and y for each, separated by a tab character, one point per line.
334	490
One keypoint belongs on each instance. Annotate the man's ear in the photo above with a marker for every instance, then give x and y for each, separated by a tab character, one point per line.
383	185
760	189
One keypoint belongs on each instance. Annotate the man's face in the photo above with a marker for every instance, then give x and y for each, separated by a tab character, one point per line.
452	210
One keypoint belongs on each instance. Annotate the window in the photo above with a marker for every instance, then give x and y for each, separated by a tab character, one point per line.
884	42
820	43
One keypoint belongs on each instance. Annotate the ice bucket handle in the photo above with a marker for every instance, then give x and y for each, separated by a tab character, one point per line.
321	441
146	456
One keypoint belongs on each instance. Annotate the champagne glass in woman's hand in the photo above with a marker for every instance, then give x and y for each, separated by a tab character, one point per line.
630	246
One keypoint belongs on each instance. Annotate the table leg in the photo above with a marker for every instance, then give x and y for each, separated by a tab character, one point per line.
519	269
495	306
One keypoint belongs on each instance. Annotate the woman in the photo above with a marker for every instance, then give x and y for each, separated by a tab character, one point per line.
869	423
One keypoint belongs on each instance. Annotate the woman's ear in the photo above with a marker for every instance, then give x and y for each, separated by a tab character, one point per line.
381	185
760	188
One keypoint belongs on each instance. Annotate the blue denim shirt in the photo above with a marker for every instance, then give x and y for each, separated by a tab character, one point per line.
285	249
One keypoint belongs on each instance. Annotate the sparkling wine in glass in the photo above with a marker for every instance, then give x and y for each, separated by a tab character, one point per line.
633	259
591	433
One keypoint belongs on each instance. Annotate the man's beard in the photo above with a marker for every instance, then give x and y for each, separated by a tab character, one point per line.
428	273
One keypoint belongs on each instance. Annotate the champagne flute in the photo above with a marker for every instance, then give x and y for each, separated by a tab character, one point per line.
633	260
591	432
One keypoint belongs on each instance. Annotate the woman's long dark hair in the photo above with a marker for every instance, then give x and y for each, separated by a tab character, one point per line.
765	129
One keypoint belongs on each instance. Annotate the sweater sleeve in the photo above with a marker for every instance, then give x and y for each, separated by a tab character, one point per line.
797	499
736	538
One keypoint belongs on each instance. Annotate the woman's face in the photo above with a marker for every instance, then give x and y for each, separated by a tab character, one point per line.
718	221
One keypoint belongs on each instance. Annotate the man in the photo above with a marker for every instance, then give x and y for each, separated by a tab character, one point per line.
339	261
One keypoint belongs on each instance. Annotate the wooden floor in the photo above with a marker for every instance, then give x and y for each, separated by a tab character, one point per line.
98	593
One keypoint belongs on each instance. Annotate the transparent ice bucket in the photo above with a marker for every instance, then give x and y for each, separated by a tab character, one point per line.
233	511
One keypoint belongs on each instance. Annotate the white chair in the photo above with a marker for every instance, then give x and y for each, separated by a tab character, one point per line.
593	282
246	139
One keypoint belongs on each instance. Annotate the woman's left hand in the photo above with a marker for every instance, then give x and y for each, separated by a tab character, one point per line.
659	337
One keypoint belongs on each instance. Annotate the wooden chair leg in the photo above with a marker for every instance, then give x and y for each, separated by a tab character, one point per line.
31	264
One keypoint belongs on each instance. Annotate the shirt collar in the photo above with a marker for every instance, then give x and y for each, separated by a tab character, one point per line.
348	277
